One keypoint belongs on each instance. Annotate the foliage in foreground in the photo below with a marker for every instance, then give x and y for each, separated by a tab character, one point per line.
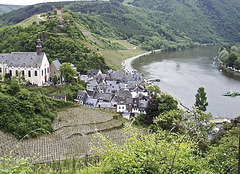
23	112
166	152
158	152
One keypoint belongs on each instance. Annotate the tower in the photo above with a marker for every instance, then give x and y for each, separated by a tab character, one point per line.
39	47
59	11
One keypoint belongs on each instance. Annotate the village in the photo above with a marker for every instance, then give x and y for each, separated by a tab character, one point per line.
124	93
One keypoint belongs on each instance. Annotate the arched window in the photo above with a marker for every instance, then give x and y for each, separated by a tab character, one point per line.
29	73
10	72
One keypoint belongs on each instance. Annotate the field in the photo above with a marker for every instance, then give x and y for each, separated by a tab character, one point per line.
116	57
73	136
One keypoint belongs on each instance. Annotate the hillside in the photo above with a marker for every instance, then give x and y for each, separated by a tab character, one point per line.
168	25
201	20
71	136
7	8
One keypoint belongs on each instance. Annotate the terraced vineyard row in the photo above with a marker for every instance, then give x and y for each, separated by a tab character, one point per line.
74	139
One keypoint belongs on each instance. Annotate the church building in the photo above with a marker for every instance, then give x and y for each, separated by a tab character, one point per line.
30	66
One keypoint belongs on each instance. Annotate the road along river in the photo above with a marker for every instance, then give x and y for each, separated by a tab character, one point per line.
183	72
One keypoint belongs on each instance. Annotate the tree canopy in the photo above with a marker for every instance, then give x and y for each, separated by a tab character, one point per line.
201	99
67	72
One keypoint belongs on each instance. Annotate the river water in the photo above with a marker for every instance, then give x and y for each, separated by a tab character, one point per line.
183	72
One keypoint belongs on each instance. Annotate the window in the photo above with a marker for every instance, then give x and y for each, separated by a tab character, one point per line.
35	73
16	72
10	72
42	72
22	73
0	70
29	73
48	70
45	71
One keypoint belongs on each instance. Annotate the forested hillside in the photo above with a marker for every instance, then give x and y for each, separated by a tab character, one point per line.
201	20
7	8
66	45
154	24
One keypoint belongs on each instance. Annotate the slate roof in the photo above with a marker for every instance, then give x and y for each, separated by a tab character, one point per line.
91	73
91	102
81	93
57	64
117	75
122	94
22	59
103	96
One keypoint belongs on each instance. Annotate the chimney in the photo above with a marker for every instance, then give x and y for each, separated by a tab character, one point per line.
39	47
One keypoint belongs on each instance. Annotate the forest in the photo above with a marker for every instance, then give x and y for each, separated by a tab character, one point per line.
169	25
8	8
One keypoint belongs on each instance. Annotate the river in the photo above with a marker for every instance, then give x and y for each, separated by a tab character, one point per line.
183	72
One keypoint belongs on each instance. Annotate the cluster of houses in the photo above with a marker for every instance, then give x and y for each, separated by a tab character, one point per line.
124	93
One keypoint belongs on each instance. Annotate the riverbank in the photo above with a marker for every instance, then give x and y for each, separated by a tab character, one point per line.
183	72
229	71
127	64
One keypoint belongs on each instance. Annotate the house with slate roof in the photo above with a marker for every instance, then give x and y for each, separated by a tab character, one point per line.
30	66
54	69
93	73
123	93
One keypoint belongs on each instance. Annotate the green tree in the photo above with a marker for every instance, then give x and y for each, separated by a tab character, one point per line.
231	59
152	109
14	87
223	55
67	16
167	103
170	120
201	99
67	72
55	79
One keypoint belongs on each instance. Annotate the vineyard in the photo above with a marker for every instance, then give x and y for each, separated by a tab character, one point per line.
72	137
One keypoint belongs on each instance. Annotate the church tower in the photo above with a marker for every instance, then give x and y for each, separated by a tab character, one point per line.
39	47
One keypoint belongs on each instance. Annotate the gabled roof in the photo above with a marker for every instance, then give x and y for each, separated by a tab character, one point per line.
81	93
124	94
57	64
93	72
91	102
117	75
93	82
22	59
103	96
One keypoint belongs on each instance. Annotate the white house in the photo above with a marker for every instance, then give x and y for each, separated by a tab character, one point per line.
31	66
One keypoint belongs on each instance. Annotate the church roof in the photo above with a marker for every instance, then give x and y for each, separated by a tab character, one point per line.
22	59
